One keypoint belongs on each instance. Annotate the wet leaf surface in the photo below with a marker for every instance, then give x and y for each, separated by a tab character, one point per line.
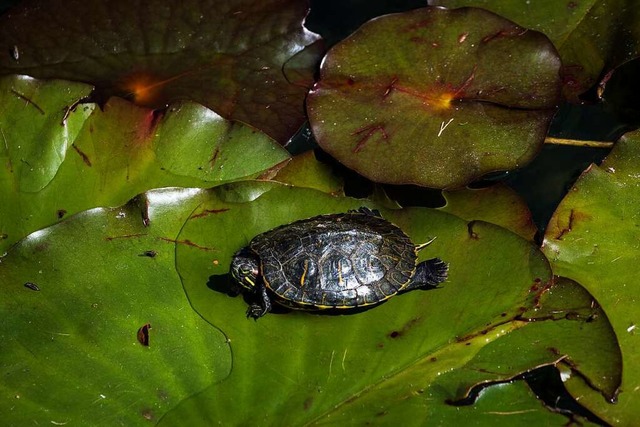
305	170
592	36
322	367
435	97
497	204
38	127
103	335
601	365
515	404
501	352
564	320
104	156
592	238
227	55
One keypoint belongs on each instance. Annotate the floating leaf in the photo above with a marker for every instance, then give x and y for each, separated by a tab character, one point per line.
225	55
592	36
96	328
503	353
38	127
305	170
355	367
55	162
593	238
497	204
570	308
500	405
435	97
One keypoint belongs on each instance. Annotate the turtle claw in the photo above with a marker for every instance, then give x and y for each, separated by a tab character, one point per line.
256	311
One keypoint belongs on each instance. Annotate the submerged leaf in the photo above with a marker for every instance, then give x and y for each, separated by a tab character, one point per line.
226	55
435	97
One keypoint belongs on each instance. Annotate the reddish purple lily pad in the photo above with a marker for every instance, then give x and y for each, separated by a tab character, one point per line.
227	55
436	97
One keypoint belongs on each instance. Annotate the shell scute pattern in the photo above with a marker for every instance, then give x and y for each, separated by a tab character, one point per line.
340	260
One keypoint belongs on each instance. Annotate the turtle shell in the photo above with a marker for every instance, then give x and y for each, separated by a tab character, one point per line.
338	260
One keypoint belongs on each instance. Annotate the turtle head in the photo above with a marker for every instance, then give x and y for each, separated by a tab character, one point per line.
245	268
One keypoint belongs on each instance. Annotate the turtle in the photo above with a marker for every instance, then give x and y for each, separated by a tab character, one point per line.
340	260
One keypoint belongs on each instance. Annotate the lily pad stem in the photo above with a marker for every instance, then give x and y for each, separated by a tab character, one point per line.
578	142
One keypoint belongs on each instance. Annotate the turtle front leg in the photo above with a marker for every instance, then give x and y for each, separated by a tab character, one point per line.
259	308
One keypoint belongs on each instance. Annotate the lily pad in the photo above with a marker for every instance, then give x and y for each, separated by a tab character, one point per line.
435	97
500	405
321	367
228	56
96	328
554	334
305	170
59	157
564	319
497	204
592	238
592	36
38	128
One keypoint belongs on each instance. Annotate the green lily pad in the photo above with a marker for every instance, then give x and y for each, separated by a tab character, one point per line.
566	322
319	367
600	365
38	127
592	238
228	56
59	157
498	204
435	97
96	327
305	170
592	36
554	332
500	405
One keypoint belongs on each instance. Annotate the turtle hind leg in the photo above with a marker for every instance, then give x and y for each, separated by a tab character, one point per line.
261	307
429	274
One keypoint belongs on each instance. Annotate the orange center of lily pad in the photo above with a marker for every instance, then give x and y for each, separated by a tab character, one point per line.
143	88
437	96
